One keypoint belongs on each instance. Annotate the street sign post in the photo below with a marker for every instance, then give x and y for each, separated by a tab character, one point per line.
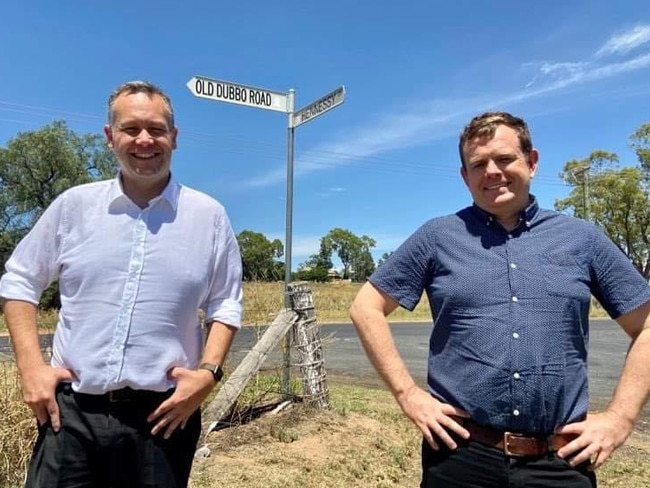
319	107
225	91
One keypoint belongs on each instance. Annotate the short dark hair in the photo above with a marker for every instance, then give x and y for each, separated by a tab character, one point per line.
485	125
131	87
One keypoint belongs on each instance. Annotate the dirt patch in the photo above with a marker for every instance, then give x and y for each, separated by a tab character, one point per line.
302	447
364	440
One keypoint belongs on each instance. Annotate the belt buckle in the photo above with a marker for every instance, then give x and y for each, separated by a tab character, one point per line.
115	396
506	444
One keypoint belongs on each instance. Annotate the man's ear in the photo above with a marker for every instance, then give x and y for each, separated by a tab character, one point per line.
463	173
174	136
108	132
533	161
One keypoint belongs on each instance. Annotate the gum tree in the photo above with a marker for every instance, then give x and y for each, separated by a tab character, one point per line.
614	197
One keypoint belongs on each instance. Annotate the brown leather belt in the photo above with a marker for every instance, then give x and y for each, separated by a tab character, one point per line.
517	444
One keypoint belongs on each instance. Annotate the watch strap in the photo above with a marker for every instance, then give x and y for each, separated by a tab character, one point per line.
215	369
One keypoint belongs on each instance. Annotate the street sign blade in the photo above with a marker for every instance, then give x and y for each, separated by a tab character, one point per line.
319	107
225	91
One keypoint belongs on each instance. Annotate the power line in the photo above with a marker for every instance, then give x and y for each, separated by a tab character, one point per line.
318	158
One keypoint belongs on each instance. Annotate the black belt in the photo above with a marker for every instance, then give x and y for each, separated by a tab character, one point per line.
123	395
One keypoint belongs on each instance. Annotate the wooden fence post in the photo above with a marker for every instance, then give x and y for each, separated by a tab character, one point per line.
232	388
309	346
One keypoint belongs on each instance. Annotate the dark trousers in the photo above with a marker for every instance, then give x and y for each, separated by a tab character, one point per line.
104	444
474	465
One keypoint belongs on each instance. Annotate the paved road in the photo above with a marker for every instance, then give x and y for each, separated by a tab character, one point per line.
344	356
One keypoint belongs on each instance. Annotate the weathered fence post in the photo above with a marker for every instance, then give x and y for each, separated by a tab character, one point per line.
231	389
309	346
310	355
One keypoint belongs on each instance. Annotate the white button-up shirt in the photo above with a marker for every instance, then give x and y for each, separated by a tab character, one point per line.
132	281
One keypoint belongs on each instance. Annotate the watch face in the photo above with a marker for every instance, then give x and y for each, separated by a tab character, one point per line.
218	373
215	369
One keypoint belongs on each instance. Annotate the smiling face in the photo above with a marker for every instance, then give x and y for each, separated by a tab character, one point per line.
497	173
142	139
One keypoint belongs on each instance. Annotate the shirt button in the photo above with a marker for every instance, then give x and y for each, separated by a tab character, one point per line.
515	299
515	412
513	265
515	335
509	236
516	376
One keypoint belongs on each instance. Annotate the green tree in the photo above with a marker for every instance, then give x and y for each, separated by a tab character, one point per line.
383	258
363	263
307	273
35	167
317	266
640	142
353	251
259	257
614	198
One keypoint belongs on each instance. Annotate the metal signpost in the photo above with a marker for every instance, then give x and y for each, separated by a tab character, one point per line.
226	91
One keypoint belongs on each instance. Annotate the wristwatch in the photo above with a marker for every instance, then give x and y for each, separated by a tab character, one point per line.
215	369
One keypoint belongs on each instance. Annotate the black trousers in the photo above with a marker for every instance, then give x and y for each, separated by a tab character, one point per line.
474	465
106	444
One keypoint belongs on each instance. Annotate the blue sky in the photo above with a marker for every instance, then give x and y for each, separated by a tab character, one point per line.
415	73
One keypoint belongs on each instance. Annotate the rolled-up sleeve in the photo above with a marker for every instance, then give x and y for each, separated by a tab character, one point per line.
224	301
34	263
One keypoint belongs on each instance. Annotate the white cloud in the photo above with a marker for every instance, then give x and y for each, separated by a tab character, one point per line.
553	77
267	179
625	42
333	192
435	118
392	131
563	69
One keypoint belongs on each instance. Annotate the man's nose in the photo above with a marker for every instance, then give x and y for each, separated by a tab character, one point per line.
492	167
144	137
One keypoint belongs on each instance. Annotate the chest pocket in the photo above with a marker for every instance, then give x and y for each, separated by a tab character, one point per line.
565	275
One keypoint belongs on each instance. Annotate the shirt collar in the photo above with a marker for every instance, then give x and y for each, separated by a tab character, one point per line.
170	194
526	216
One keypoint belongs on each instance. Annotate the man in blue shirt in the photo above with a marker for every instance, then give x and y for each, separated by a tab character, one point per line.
510	286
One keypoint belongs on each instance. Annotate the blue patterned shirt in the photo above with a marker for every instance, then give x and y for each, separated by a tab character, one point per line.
510	309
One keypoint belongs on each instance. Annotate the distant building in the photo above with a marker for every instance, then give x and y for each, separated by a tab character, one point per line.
334	275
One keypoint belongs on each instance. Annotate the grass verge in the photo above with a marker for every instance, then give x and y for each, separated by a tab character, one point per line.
263	300
17	429
363	440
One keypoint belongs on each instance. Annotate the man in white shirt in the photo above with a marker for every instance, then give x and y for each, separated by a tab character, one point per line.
136	258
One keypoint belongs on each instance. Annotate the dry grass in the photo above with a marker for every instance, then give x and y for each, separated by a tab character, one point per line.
331	300
46	320
262	301
364	440
17	428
